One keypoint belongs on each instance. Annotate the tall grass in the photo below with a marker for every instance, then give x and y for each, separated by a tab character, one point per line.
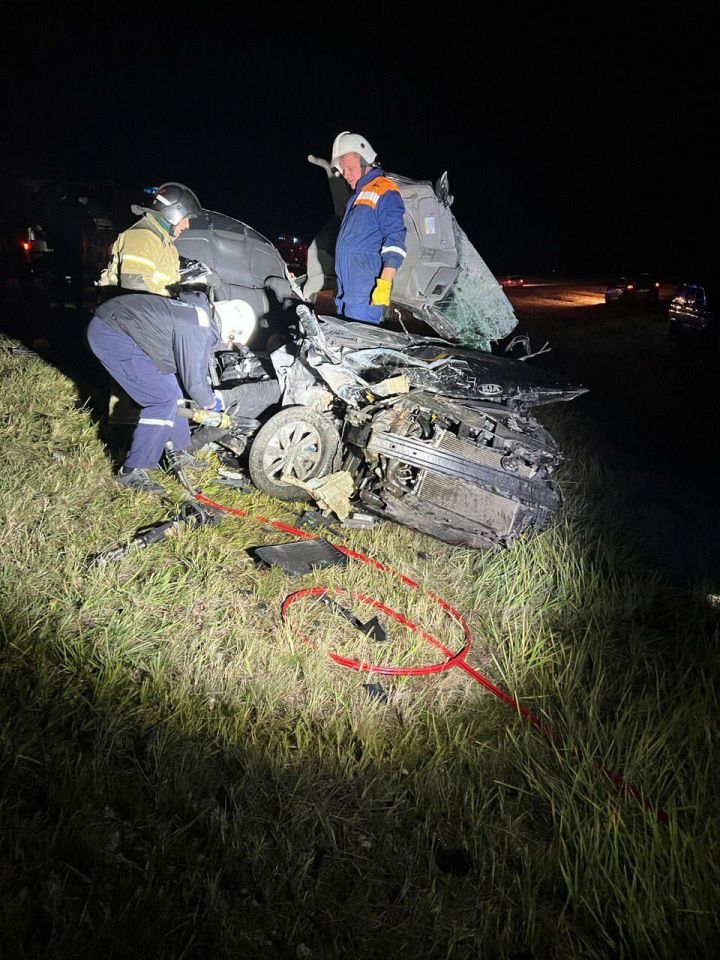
184	776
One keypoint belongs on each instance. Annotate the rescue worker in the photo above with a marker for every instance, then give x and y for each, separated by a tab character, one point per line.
144	257
153	347
371	243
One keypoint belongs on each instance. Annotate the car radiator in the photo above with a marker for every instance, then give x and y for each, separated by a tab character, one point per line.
463	484
467	500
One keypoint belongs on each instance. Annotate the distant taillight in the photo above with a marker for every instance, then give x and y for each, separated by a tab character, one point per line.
26	245
657	283
631	286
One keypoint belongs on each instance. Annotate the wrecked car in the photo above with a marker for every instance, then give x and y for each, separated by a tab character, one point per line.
424	430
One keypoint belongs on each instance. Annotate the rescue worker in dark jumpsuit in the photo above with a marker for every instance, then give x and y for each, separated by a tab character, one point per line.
155	346
371	243
150	343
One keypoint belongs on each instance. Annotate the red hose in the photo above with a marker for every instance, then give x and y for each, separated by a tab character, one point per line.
451	659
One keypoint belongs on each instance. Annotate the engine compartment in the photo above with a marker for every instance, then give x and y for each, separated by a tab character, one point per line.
477	480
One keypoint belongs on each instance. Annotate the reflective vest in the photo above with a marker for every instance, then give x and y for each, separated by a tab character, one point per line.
144	259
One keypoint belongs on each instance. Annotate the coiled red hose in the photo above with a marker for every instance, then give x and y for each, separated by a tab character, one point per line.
457	659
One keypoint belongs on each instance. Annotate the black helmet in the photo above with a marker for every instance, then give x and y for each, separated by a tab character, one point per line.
174	201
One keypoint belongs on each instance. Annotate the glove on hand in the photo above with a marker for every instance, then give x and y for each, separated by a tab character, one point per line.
381	294
218	406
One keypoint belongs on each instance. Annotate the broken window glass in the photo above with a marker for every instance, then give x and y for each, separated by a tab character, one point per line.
475	307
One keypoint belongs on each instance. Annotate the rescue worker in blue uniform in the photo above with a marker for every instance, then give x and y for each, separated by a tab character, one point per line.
371	243
153	346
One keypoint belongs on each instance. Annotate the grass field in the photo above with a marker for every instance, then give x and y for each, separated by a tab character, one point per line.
182	776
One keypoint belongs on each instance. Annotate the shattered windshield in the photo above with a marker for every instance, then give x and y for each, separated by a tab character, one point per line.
474	310
475	307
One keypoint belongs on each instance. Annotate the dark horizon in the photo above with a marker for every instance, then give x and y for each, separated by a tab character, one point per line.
572	143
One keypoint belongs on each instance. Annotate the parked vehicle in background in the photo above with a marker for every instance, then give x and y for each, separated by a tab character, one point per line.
24	310
691	312
55	237
513	281
642	286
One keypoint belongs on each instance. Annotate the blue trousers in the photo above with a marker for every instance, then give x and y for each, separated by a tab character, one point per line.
360	310
156	393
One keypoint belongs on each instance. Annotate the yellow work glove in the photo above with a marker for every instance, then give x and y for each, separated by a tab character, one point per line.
381	294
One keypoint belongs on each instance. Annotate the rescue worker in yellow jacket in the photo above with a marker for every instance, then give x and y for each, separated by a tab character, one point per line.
144	258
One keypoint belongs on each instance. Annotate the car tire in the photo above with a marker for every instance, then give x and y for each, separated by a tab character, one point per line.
298	442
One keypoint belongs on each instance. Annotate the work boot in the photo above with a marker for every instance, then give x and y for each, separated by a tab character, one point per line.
182	460
137	479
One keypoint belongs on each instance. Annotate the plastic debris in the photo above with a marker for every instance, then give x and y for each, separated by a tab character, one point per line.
391	386
359	521
313	519
299	557
235	479
332	492
376	691
371	628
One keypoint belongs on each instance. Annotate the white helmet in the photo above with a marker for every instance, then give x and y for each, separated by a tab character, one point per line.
347	142
237	320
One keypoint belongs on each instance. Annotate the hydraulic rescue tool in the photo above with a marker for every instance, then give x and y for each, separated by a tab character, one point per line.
191	515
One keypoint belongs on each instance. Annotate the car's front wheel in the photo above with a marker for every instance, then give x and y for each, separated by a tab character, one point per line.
296	442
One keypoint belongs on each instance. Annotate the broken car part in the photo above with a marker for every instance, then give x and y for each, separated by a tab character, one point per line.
299	557
371	628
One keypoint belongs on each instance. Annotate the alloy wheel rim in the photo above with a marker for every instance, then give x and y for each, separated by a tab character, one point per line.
295	451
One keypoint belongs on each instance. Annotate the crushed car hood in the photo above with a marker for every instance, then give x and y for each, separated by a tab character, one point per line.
439	367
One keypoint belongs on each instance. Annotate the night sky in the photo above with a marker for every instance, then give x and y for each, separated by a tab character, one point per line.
577	138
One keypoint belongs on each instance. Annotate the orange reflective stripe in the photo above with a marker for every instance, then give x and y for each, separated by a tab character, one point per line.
366	199
382	185
371	193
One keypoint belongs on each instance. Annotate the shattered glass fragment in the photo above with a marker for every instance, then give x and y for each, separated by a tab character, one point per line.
475	307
